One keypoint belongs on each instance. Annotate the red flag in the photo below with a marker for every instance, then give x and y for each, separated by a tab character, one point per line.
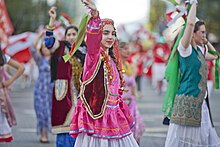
65	19
19	45
6	28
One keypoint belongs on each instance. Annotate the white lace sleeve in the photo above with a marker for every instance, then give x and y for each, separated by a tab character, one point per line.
184	52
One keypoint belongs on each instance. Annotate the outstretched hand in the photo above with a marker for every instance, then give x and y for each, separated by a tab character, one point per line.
91	5
52	13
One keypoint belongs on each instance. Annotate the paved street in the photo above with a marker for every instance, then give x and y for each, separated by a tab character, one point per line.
149	106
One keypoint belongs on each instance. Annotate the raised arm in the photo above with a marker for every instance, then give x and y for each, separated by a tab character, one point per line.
39	36
93	40
191	19
93	32
50	42
35	50
91	5
53	14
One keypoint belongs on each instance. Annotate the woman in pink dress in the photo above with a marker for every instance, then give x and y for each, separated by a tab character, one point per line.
101	118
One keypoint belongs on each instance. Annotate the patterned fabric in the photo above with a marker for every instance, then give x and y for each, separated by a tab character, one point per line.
193	81
61	87
77	67
42	92
191	136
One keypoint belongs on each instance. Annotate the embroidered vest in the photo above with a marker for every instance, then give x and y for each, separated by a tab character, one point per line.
94	92
192	88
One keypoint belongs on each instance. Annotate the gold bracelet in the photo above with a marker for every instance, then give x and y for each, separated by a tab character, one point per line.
51	28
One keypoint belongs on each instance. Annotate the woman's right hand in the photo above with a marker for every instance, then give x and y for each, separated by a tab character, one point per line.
52	13
90	5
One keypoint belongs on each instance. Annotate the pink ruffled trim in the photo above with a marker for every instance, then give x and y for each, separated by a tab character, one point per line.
116	123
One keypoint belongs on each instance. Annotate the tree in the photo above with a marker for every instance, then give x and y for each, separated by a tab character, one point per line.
209	12
157	14
27	15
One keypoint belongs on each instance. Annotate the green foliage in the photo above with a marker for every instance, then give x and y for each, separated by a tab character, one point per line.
27	15
209	12
157	14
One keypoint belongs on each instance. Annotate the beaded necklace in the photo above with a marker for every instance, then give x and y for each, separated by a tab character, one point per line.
107	64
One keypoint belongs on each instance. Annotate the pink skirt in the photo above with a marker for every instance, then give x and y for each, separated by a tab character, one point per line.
116	122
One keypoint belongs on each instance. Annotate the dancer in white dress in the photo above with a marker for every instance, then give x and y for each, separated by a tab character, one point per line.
190	124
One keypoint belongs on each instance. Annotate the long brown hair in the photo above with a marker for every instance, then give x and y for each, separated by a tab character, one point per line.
113	51
198	24
112	55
